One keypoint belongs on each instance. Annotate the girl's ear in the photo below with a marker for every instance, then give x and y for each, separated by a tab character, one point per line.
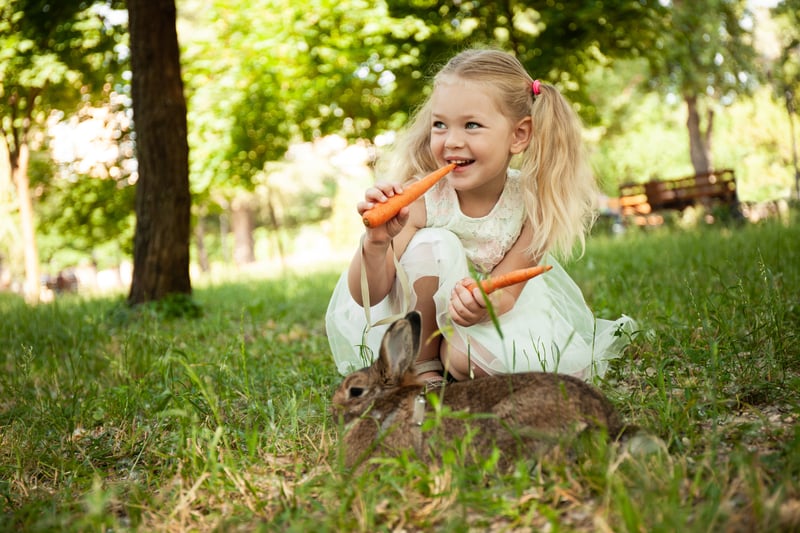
521	136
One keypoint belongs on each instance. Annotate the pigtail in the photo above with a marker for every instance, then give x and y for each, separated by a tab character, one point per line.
559	186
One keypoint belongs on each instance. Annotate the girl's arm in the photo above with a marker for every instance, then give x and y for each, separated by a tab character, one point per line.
374	255
469	307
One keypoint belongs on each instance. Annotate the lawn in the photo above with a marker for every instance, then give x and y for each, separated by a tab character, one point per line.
214	414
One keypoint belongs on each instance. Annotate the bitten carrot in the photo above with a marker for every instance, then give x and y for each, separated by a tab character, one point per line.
383	212
515	276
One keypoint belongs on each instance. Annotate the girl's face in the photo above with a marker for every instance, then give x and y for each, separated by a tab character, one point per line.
469	127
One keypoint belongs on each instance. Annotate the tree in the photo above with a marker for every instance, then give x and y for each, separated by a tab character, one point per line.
285	74
53	55
785	73
558	42
85	191
288	73
705	54
163	201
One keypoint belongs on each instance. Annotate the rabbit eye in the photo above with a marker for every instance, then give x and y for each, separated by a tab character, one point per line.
355	392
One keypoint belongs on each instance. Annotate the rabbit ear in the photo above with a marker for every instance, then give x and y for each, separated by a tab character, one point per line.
399	348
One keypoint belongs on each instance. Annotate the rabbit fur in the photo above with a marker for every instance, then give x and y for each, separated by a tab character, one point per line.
382	406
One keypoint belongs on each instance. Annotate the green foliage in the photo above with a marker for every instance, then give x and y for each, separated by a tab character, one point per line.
705	55
785	69
85	193
641	135
295	195
173	306
706	48
288	72
763	155
53	56
633	124
556	41
262	74
147	419
85	214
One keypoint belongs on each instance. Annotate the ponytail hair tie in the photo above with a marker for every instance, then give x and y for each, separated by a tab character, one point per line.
536	87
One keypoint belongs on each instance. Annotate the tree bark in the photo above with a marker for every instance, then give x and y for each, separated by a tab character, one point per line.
699	141
163	201
19	159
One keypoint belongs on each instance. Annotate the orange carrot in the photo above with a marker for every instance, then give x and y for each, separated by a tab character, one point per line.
383	212
515	276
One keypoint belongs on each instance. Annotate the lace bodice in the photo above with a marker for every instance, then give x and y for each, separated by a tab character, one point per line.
486	239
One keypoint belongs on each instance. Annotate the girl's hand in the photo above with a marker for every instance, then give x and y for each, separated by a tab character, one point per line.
467	307
378	193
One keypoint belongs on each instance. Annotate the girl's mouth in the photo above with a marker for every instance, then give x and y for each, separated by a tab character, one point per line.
462	162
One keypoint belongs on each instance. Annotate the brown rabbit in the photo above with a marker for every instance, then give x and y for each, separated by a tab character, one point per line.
383	406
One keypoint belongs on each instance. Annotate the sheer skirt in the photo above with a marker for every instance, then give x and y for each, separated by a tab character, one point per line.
550	328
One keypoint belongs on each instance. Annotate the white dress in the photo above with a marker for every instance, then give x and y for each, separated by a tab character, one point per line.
549	328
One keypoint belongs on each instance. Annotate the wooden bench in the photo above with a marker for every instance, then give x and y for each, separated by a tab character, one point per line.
642	202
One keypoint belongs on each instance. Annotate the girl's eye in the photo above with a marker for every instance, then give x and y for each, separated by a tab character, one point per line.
472	125
438	125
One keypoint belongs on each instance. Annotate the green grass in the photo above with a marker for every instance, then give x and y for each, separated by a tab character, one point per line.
112	419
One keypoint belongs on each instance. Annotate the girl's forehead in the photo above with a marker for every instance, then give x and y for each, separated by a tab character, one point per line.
454	82
456	91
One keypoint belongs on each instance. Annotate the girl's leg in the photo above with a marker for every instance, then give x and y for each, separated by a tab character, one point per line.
430	340
434	255
433	347
458	364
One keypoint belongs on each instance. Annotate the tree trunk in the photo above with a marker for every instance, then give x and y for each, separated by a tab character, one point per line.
19	159
224	229
200	244
163	201
276	228
699	141
791	111
242	224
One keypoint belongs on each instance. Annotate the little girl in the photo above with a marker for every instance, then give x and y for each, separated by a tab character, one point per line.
484	218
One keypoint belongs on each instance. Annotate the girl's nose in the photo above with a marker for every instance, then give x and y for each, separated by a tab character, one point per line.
453	140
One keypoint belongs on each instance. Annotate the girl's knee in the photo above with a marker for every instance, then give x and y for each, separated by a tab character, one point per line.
435	243
459	365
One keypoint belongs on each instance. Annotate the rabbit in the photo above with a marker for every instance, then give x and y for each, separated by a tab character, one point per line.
383	406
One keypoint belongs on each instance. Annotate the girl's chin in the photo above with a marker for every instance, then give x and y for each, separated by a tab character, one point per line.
460	182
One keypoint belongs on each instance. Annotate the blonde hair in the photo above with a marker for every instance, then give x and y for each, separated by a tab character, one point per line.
559	185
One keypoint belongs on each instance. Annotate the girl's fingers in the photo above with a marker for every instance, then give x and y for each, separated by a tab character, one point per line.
479	298
465	311
377	194
382	191
364	206
456	317
469	297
